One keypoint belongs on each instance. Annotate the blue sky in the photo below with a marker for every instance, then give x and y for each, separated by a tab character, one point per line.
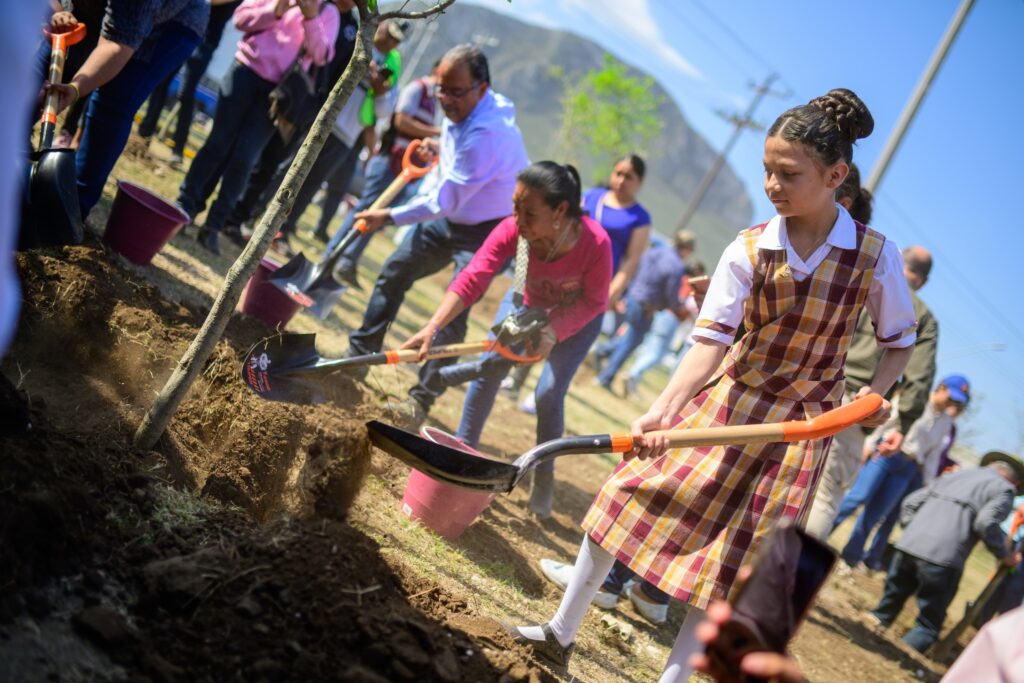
954	183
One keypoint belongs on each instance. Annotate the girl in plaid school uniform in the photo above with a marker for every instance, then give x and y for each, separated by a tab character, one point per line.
686	519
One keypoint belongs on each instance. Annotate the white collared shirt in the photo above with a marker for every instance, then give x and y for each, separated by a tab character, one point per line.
888	301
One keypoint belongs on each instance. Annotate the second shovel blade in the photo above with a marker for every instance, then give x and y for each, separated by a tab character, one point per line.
440	462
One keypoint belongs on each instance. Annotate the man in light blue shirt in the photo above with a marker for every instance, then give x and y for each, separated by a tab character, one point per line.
481	153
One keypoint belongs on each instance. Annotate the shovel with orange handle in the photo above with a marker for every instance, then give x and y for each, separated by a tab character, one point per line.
313	286
455	467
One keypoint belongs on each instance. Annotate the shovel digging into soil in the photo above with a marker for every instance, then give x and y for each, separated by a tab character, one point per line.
50	212
455	467
288	367
314	286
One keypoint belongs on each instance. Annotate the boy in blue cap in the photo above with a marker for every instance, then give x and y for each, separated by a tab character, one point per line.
887	477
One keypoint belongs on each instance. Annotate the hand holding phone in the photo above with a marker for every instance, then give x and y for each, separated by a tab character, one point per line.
773	596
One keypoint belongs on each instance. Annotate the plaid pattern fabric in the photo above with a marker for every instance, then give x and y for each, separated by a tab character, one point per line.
686	522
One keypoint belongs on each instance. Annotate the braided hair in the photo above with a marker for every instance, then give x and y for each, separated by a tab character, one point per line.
828	125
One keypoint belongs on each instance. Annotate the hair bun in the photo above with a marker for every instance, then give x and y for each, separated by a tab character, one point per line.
849	113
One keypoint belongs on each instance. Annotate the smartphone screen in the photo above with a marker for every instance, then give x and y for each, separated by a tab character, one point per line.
788	570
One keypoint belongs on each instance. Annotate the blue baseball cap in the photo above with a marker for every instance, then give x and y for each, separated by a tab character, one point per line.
959	388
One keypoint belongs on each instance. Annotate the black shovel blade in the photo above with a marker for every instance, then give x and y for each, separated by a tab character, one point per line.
324	294
271	369
442	463
294	278
51	215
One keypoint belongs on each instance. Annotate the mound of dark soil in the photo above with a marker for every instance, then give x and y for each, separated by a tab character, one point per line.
114	569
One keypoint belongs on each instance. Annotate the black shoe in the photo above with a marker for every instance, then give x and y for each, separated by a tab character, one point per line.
234	233
549	649
209	240
346	275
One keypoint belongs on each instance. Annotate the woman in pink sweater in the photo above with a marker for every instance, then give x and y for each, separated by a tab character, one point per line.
275	33
569	270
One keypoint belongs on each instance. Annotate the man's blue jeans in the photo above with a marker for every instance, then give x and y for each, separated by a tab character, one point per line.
335	164
876	551
108	118
428	248
559	368
618	349
241	129
935	586
656	345
378	177
879	486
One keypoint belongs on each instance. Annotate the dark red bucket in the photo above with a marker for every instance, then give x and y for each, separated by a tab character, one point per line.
264	301
444	508
141	223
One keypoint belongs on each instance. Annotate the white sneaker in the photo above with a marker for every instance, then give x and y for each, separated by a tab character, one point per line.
652	612
560	574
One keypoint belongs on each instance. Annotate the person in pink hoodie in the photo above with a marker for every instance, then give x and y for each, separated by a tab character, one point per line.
277	33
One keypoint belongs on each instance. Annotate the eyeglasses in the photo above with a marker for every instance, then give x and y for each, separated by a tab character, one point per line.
454	93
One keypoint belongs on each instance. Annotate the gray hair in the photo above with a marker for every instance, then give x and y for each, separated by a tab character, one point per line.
474	59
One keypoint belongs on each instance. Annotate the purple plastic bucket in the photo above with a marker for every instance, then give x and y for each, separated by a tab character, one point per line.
444	508
264	301
141	223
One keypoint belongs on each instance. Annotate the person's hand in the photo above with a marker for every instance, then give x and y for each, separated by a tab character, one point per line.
375	220
426	151
620	306
67	93
422	340
1011	560
62	22
309	8
660	416
700	286
891	443
546	341
768	666
880	416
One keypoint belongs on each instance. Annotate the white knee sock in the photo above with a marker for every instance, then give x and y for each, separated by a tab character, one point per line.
677	669
592	567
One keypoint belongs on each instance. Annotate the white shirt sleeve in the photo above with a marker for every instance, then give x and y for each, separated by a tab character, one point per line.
722	312
889	303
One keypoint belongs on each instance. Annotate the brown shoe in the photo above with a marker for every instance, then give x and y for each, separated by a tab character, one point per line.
549	649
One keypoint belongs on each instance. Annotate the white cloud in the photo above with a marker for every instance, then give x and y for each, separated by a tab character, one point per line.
634	19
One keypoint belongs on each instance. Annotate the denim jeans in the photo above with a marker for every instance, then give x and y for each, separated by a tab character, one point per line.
618	577
108	117
335	158
428	248
559	369
618	349
241	129
879	486
876	551
656	345
935	587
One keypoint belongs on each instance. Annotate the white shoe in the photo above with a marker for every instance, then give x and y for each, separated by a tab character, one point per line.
652	612
560	574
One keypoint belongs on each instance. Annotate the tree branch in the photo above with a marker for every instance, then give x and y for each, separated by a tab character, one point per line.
400	14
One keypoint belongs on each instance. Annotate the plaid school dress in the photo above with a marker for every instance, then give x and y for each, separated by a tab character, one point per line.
688	520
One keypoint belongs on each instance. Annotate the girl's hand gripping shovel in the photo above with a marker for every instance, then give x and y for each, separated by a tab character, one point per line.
452	466
51	215
313	286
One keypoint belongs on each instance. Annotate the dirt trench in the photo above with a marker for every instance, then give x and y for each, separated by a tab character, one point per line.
113	569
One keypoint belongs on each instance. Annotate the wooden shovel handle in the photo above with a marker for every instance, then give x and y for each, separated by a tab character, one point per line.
826	424
444	351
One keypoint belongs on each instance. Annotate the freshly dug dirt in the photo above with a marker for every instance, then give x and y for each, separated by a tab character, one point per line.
114	569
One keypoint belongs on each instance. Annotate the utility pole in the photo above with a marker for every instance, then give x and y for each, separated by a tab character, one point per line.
910	110
740	123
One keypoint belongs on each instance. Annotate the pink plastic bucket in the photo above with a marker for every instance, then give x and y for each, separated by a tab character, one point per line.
444	508
141	223
264	301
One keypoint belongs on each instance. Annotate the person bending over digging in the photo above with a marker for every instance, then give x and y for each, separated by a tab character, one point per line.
687	519
568	269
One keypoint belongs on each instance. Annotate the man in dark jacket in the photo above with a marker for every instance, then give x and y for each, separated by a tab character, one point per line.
942	522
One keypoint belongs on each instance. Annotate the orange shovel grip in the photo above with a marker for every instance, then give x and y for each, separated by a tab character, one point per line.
832	422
